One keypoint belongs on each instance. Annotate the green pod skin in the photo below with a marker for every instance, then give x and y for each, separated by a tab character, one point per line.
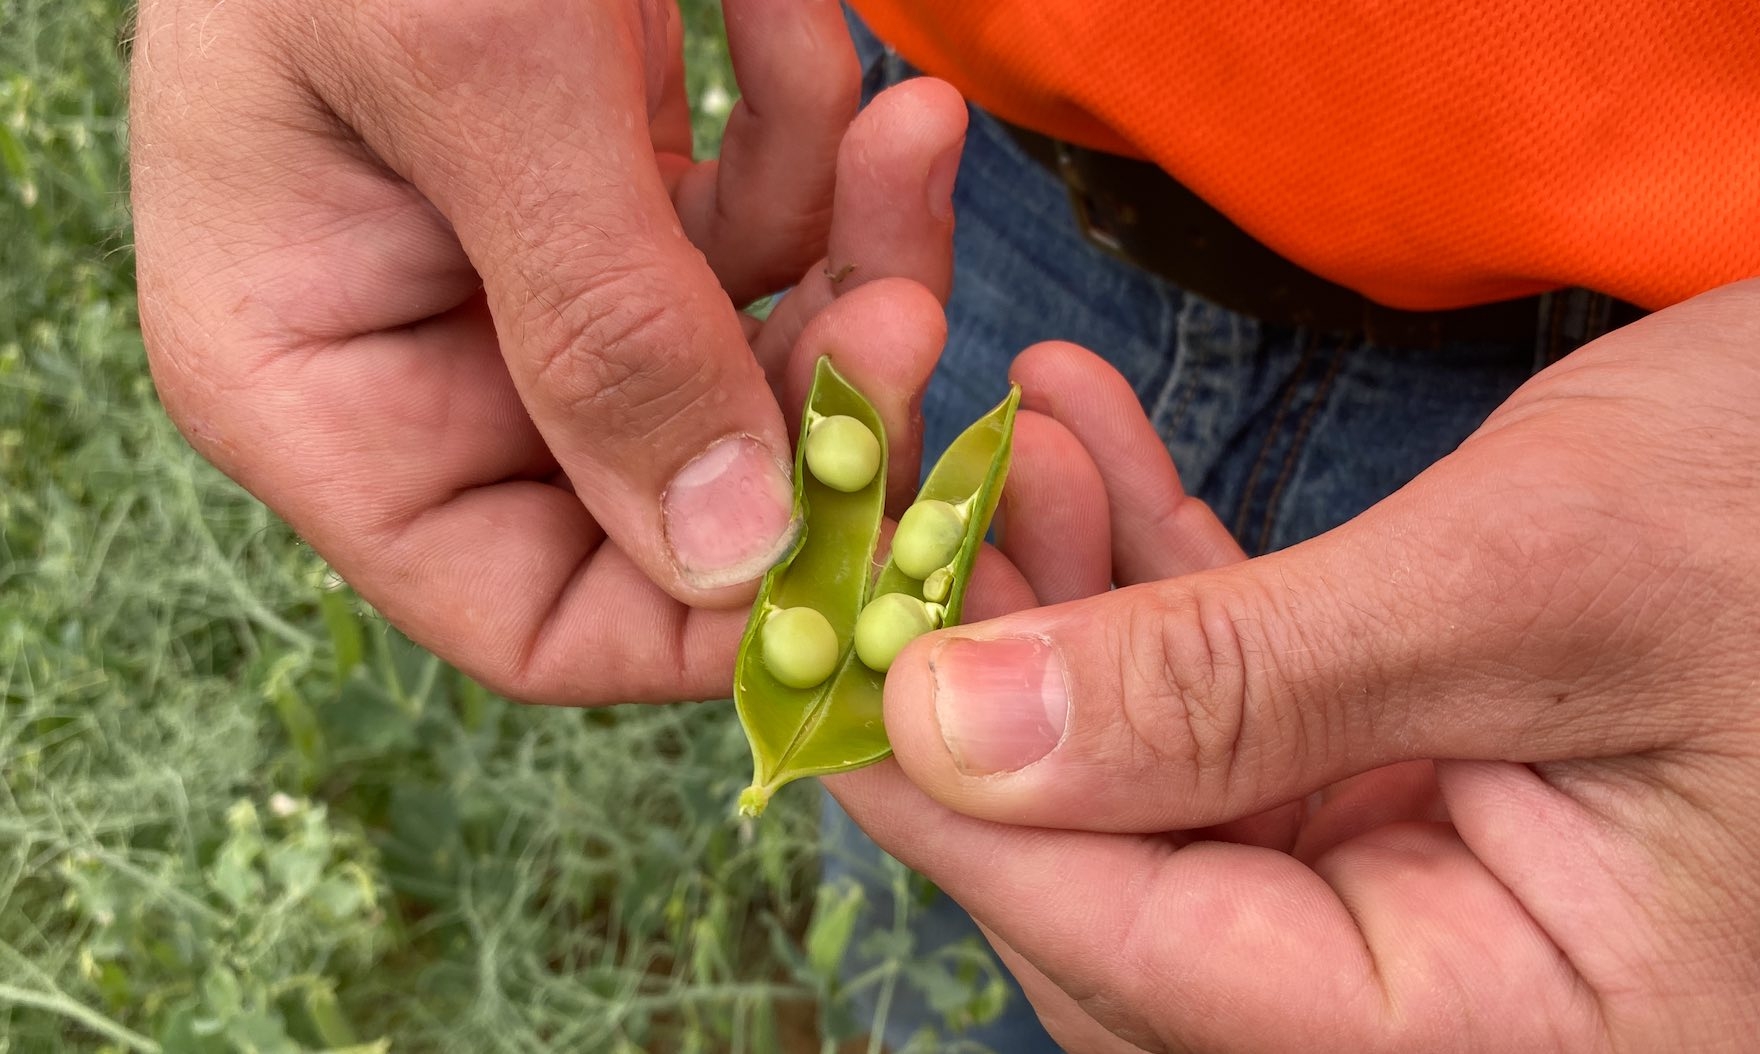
798	731
969	476
837	725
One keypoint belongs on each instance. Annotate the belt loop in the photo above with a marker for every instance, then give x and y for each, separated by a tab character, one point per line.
1543	328
1567	323
1082	202
1600	314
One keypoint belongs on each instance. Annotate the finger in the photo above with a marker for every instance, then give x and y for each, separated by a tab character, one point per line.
1164	948
622	345
997	587
1160	531
1448	621
1403	792
761	212
669	123
1052	520
1064	1019
893	216
1395	942
434	506
1276	828
885	339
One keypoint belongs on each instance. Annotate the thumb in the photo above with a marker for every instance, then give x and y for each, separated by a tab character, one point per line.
1457	619
525	126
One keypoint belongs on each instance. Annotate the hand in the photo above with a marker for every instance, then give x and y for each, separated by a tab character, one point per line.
438	282
1479	770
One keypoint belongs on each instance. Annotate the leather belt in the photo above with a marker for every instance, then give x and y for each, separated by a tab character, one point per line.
1138	212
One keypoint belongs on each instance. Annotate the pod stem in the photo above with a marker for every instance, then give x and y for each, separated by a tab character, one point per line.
753	799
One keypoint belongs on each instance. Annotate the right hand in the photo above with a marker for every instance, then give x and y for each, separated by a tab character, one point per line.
438	282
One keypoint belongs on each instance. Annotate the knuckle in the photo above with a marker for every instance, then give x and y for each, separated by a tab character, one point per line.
450	36
1554	557
1189	666
608	357
526	667
1209	699
517	675
837	99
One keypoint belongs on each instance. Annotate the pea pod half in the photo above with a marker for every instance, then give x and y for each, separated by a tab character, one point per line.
799	726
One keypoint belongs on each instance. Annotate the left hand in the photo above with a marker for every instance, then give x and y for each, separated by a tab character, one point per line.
1478	770
440	283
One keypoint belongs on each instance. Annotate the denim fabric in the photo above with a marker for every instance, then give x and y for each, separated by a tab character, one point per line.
1286	433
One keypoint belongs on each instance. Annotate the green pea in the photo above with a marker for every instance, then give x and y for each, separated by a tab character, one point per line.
800	647
888	623
843	453
929	536
938	585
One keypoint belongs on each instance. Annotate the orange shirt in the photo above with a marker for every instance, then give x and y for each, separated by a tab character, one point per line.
1428	155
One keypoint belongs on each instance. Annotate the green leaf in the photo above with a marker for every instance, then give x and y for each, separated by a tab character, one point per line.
12	155
298	718
179	1034
234	873
833	924
347	643
221	995
325	1017
260	1032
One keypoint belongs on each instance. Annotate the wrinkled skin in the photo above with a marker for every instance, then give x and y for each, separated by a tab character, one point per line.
1476	771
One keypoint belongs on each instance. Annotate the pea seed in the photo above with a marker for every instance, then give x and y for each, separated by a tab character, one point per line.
928	537
887	624
843	453
800	647
938	585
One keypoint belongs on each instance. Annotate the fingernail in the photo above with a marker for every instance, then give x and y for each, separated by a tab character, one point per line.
1002	703
942	173
729	513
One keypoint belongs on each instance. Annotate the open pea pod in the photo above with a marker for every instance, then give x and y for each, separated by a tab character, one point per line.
828	571
969	477
836	724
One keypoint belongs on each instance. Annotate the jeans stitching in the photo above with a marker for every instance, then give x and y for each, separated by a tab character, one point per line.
1289	395
1179	378
1299	443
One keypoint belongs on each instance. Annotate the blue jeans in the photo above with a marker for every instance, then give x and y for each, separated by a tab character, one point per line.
1286	433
